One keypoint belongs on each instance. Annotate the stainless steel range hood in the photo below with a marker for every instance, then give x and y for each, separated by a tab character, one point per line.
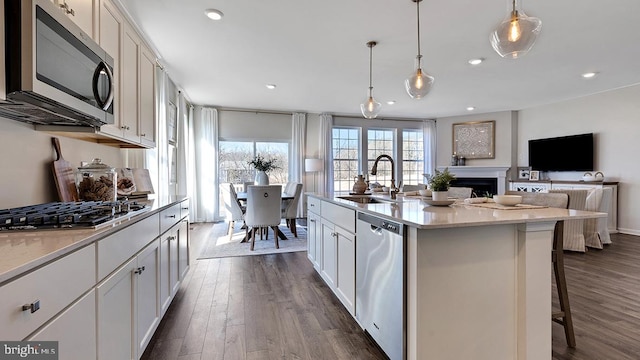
38	110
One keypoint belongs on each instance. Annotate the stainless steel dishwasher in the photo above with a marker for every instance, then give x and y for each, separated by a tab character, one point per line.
380	283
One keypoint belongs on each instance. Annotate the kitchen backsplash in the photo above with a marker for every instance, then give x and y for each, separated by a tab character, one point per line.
26	161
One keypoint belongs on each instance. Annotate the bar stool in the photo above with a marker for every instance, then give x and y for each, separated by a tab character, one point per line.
557	200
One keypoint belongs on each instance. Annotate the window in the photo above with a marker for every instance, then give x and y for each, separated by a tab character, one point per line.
234	157
345	147
412	157
356	147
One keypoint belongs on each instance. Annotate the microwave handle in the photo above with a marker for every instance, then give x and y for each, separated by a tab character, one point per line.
96	75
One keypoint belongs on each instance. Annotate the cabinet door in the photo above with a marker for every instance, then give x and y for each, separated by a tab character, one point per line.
183	249
346	280
312	231
115	300
147	289
80	12
329	248
110	39
174	269
165	282
129	100
147	119
74	330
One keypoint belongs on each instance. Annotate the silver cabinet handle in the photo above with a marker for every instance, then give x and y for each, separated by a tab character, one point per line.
143	135
171	238
171	216
33	307
66	9
312	220
139	270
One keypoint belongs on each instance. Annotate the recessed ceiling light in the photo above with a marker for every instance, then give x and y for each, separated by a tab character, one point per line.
589	75
477	61
271	86
471	108
391	102
214	14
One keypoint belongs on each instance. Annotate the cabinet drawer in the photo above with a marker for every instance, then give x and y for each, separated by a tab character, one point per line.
55	286
169	217
114	250
184	209
341	216
313	205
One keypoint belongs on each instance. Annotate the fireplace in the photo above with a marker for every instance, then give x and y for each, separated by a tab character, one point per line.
480	186
481	178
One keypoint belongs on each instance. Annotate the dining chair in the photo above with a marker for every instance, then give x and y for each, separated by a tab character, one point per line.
246	185
232	206
263	210
596	232
556	200
407	188
574	229
460	192
290	208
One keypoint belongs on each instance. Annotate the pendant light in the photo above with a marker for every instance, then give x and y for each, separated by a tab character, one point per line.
370	107
419	83
515	36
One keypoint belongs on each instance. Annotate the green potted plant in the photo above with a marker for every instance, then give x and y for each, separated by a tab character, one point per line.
263	166
439	183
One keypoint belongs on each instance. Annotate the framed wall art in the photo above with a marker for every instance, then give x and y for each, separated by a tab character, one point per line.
523	172
534	175
474	140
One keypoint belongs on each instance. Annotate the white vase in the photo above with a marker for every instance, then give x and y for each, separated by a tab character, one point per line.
261	178
440	195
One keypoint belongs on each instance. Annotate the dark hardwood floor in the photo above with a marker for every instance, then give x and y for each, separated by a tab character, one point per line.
278	307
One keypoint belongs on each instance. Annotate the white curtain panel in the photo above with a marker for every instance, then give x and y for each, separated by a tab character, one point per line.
298	146
191	162
326	125
205	199
429	139
182	161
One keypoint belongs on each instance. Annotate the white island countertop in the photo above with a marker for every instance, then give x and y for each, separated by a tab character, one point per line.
415	212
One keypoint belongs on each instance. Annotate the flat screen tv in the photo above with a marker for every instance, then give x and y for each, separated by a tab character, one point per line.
566	153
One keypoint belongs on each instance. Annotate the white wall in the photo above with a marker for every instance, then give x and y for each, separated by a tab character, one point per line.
239	125
26	160
505	124
613	117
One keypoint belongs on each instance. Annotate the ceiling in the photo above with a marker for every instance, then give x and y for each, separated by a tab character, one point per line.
315	53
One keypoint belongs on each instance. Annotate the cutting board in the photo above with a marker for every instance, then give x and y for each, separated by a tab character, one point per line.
64	175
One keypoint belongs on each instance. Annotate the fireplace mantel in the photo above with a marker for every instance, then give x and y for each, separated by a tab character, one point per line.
495	172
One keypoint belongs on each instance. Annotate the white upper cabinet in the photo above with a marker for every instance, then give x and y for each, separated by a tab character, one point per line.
81	12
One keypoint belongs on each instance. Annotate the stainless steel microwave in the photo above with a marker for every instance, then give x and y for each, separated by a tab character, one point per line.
55	73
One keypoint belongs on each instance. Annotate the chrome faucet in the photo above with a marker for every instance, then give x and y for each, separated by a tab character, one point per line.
374	170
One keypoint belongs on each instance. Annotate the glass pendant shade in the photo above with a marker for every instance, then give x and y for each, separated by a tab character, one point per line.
516	34
370	107
419	83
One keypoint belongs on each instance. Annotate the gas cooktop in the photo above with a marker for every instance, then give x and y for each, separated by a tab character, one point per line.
66	215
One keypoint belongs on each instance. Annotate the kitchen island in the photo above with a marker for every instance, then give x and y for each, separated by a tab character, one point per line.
477	281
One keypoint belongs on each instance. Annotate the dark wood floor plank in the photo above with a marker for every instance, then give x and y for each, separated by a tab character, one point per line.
277	307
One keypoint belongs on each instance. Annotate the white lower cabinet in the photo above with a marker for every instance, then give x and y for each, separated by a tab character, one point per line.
338	252
128	306
184	257
74	330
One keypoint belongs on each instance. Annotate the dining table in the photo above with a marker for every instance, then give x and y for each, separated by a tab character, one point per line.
242	197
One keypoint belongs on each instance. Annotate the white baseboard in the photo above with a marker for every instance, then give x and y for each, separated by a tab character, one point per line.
629	231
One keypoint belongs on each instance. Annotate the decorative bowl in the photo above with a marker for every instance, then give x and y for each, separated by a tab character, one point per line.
508	200
377	189
424	192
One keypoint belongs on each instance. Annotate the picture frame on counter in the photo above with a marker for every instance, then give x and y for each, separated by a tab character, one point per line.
534	175
475	139
523	172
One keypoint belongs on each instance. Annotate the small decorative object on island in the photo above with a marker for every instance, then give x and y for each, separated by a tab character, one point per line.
454	160
359	185
439	183
263	167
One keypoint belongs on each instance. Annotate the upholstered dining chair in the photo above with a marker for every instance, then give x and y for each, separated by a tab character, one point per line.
459	192
596	232
557	200
290	208
407	188
233	209
263	210
574	229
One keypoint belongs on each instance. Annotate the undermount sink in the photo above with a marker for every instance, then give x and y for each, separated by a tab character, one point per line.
365	199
